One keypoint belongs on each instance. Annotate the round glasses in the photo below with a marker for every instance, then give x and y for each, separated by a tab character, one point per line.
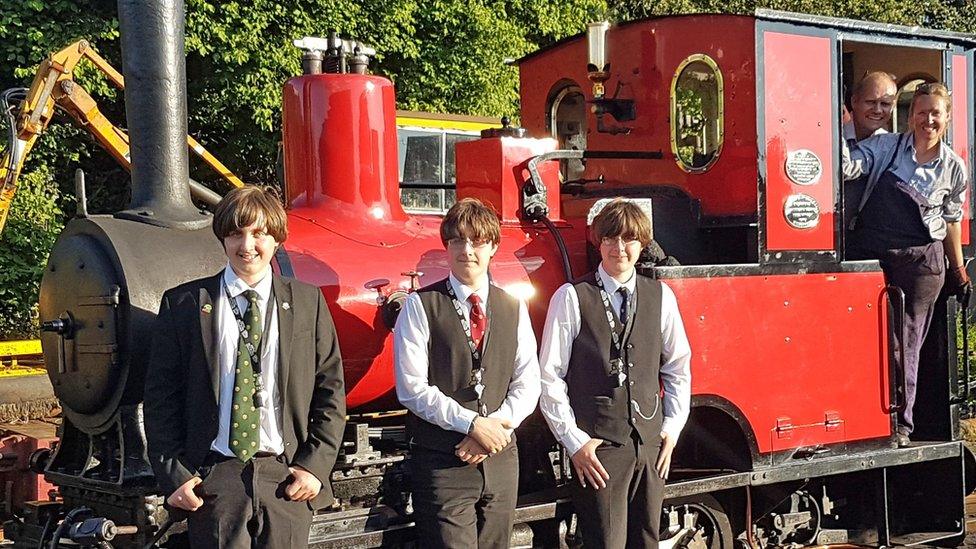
618	240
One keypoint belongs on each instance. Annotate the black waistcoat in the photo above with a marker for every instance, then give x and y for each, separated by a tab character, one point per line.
603	410
449	365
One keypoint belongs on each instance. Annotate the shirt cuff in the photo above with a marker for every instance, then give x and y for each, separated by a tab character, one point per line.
462	422
672	427
575	440
503	413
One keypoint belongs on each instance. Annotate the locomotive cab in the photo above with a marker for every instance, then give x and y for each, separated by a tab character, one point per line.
793	357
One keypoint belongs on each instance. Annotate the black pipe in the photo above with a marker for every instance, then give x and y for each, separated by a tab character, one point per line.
625	155
563	252
154	65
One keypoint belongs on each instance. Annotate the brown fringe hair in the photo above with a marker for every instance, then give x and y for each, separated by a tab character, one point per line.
470	218
934	89
245	206
624	219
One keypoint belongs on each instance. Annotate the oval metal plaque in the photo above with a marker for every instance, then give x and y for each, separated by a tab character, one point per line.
802	211
803	167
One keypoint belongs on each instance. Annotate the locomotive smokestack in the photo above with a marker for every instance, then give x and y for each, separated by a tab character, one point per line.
154	65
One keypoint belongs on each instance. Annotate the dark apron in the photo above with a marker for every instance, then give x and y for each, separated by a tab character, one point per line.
891	230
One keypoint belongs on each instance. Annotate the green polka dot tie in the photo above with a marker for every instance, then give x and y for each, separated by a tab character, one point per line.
244	415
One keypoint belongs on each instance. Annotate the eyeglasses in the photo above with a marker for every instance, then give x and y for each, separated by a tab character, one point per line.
618	240
462	242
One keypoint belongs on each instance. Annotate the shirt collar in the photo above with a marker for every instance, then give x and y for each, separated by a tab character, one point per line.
236	286
610	283
944	151
463	292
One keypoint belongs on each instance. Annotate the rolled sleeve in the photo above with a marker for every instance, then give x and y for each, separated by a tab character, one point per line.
952	208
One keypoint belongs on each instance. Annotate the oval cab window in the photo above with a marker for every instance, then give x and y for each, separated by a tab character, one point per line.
697	113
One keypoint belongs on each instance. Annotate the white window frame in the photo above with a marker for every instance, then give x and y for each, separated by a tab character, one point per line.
442	192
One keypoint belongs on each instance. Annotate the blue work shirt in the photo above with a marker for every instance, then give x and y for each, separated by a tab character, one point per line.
938	186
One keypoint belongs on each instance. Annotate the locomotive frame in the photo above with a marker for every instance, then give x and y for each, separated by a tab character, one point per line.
758	464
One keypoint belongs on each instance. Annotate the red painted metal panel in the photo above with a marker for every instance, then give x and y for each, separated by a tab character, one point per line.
644	56
17	443
804	356
340	144
496	169
798	115
357	254
960	126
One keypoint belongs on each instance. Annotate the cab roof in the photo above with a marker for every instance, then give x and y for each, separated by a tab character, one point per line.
839	23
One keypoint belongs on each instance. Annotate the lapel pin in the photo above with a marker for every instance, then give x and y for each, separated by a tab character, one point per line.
286	305
207	308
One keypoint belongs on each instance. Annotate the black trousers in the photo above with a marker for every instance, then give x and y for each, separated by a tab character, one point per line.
244	506
459	505
920	272
627	513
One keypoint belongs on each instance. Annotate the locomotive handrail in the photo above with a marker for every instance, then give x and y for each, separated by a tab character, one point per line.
534	205
534	191
899	400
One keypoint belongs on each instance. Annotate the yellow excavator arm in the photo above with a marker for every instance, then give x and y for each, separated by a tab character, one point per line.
54	86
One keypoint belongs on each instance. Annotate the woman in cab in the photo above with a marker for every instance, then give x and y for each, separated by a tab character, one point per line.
909	219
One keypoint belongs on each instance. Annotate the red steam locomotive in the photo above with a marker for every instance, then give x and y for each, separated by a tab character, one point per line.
726	128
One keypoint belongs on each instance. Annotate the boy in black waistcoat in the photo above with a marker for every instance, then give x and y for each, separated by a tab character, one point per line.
610	340
466	368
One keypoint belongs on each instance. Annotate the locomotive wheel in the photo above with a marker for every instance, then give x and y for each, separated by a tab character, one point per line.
701	524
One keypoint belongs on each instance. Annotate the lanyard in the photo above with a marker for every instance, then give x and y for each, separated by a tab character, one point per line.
477	371
616	358
253	351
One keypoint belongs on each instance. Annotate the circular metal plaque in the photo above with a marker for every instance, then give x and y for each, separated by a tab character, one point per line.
802	211
803	167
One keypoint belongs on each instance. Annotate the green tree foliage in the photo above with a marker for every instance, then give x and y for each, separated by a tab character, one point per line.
34	222
443	55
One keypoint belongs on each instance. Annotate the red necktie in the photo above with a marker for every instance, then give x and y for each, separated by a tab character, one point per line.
477	320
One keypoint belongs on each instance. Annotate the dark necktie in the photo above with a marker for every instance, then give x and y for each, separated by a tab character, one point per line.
244	415
477	320
623	306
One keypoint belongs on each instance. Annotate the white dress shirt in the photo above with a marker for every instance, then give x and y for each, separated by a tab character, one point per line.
561	329
228	337
411	365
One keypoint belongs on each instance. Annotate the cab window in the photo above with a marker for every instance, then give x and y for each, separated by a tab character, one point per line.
697	113
427	170
567	124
